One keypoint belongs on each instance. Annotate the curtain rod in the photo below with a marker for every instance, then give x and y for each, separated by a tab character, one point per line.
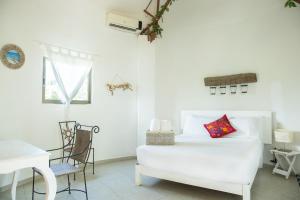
58	46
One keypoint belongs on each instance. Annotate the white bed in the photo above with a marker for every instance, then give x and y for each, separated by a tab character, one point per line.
225	164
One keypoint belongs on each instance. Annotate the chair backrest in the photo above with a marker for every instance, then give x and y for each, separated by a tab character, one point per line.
83	142
67	130
80	150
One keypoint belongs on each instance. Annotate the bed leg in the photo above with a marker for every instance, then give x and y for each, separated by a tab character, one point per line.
246	192
138	180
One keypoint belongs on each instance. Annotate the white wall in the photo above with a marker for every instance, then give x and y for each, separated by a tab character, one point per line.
210	38
73	24
146	87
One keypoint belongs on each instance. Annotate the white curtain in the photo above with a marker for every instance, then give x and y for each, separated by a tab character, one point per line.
70	69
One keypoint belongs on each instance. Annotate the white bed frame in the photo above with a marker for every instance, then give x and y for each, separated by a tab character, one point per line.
238	189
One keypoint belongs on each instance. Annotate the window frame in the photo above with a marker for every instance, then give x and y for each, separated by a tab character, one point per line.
48	101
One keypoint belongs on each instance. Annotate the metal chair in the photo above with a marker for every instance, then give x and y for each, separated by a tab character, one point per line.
67	129
80	152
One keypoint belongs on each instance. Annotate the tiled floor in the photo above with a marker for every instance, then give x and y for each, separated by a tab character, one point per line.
115	181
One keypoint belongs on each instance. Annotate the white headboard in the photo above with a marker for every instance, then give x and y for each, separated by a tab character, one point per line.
267	123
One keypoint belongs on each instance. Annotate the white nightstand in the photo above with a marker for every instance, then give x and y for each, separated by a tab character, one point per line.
289	157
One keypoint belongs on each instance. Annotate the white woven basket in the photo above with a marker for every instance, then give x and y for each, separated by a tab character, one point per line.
158	138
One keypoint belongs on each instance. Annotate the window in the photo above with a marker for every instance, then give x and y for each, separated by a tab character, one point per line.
51	89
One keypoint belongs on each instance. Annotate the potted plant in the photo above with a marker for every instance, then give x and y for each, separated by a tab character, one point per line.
292	3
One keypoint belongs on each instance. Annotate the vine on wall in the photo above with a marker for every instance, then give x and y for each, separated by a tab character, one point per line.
292	3
153	29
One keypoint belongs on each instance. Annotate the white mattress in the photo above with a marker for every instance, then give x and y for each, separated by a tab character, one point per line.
232	160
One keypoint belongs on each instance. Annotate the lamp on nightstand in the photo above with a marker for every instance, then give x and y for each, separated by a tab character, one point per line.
283	136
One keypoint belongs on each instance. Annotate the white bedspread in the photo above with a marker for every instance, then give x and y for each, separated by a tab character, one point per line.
232	160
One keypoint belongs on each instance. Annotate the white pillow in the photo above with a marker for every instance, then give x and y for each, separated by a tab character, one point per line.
194	125
245	126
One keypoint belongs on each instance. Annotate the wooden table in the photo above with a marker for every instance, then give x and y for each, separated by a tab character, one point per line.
16	155
289	157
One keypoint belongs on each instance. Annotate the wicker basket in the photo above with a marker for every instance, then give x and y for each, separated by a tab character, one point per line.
158	138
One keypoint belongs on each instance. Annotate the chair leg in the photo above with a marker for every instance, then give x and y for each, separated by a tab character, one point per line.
93	161
63	155
86	194
69	184
33	182
74	173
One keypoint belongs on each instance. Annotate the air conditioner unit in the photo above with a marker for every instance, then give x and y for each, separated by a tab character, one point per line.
123	23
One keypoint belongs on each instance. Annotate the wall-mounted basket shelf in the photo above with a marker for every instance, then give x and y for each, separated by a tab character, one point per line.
232	81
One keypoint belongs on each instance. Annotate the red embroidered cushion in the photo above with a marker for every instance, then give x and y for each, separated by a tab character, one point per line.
220	127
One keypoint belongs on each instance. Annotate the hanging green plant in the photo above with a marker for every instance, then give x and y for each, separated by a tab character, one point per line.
153	29
292	3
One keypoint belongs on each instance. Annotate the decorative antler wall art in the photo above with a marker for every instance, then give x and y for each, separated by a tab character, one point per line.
113	87
232	81
122	85
153	29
